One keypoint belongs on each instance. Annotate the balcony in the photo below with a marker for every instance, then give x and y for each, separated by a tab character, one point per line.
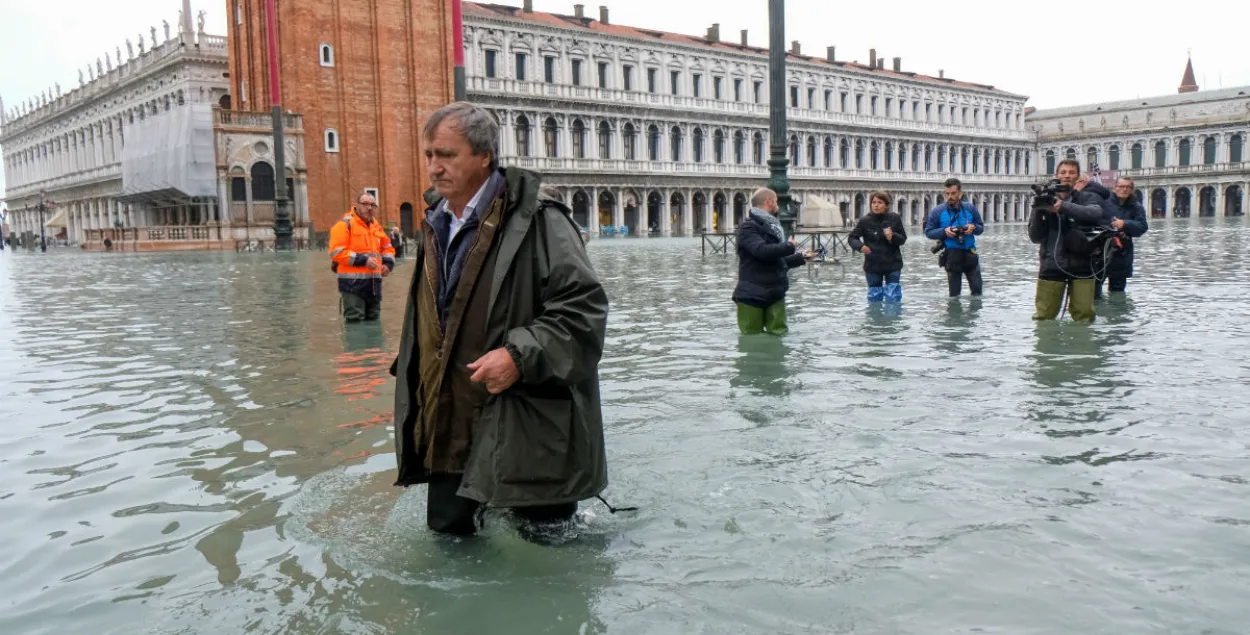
1211	169
512	87
70	179
750	171
245	121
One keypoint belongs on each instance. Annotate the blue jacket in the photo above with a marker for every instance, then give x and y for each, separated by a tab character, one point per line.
763	265
943	216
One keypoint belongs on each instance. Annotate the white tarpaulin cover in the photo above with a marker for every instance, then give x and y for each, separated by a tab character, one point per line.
171	151
59	219
818	212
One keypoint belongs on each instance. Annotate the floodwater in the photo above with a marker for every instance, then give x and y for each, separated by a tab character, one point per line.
193	444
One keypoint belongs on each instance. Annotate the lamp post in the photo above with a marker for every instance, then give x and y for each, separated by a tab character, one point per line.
778	180
282	229
43	207
457	51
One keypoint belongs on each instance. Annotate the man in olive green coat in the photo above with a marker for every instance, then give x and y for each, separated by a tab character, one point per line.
497	385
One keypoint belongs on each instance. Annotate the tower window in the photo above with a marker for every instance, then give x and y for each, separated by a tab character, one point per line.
327	55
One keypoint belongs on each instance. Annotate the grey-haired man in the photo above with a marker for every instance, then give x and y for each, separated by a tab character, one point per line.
497	386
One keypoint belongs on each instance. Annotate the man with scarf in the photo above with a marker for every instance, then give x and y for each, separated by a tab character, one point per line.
764	259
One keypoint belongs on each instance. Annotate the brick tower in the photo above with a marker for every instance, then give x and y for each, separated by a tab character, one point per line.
365	76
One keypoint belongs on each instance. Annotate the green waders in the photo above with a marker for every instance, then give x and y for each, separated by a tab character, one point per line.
1049	300
753	320
356	308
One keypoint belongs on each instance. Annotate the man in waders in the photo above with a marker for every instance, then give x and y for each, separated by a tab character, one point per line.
765	258
497	380
1065	256
361	255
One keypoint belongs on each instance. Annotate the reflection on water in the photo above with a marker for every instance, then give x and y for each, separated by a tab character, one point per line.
195	443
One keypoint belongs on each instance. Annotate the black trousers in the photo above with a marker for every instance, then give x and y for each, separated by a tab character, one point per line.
447	513
961	263
1117	285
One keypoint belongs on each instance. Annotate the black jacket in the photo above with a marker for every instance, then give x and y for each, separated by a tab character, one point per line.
763	263
1062	251
1135	224
885	256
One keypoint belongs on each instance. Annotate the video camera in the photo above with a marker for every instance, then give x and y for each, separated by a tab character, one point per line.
1045	194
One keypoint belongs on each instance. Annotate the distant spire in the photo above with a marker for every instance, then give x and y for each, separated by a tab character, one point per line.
1188	83
186	18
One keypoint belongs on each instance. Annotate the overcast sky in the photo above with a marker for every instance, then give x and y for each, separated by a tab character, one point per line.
1078	53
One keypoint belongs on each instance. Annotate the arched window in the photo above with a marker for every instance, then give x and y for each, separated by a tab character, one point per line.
1113	157
605	140
579	139
758	150
262	182
828	152
550	137
811	151
889	155
522	136
872	155
331	140
846	153
630	137
1235	149
697	145
675	143
1050	162
1208	151
1185	152
740	143
1091	158
327	55
718	146
1071	153
238	190
653	143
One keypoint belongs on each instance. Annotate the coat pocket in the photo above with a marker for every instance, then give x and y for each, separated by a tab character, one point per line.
536	440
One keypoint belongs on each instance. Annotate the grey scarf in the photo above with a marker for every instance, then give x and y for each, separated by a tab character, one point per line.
770	221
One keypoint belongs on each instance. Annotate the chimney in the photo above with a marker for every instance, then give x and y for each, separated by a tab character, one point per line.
794	48
829	53
528	6
744	37
603	14
898	65
579	10
872	58
713	33
881	63
941	74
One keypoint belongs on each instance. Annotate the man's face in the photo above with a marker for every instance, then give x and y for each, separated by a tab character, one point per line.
1123	190
366	205
1067	174
954	194
454	170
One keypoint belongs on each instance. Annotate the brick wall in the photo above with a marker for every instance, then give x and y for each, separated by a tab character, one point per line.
392	69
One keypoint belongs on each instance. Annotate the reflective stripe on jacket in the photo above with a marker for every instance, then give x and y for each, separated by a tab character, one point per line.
353	242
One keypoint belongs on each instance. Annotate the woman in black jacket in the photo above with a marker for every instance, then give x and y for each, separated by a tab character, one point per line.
764	259
879	235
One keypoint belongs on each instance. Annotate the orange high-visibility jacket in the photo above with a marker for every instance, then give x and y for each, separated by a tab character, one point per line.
353	243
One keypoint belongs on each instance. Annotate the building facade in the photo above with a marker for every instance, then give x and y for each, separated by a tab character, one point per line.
139	154
668	134
363	78
1186	152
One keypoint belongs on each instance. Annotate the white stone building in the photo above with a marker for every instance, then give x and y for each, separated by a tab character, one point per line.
670	132
144	153
1186	152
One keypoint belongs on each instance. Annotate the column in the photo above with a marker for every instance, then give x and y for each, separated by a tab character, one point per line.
1218	199
666	213
687	221
507	140
301	189
618	214
223	201
251	218
594	211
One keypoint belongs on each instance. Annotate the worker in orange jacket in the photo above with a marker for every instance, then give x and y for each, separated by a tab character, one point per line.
362	255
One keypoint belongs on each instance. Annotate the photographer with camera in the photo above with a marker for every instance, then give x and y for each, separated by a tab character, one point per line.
879	235
955	224
1124	213
1064	225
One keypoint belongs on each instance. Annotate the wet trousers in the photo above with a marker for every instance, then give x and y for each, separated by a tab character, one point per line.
753	320
884	286
447	513
357	308
1050	294
1118	285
